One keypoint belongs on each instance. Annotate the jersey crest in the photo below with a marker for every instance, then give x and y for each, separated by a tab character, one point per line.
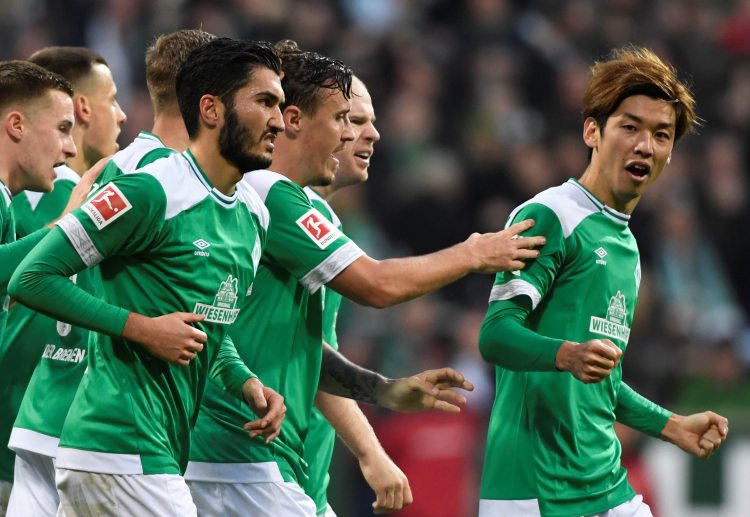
224	309
615	324
107	205
318	228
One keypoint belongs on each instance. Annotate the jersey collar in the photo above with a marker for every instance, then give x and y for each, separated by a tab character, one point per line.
201	176
606	210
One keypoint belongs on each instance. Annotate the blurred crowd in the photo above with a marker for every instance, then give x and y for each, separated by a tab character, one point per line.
477	104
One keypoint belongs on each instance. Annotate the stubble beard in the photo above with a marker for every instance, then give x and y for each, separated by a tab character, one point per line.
233	141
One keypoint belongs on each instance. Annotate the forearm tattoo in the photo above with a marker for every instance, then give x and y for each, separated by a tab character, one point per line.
341	377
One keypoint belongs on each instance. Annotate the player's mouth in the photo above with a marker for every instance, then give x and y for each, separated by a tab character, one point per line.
269	140
363	158
638	171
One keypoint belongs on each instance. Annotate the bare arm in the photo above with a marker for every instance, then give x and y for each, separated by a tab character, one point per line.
391	487
381	283
431	389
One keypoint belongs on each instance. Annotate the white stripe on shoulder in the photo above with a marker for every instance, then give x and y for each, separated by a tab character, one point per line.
250	197
262	180
513	288
181	187
80	240
331	267
127	159
568	202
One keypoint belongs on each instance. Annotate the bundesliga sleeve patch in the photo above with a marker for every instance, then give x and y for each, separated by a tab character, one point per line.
318	228
106	206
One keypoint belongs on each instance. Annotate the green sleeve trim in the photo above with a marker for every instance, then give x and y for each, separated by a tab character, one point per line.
506	342
42	283
636	411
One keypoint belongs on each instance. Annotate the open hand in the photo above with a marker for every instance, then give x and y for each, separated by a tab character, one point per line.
431	389
504	250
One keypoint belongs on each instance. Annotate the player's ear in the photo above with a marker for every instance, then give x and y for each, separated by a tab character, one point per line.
81	109
591	132
13	125
292	119
211	110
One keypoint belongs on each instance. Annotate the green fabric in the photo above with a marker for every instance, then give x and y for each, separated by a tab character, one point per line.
145	149
638	412
175	244
506	342
321	437
551	436
64	346
29	334
279	335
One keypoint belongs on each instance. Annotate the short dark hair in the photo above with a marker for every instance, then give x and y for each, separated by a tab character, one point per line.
306	73
164	58
73	63
220	67
22	82
632	71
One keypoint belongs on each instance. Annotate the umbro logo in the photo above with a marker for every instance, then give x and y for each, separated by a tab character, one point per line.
601	253
201	245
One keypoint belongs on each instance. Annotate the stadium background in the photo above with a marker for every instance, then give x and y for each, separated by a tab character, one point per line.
477	105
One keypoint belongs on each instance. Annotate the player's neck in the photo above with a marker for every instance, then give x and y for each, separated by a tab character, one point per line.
326	192
223	175
596	182
78	162
171	130
7	161
286	164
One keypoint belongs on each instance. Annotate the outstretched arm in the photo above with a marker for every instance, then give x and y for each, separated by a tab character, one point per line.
381	283
391	487
431	389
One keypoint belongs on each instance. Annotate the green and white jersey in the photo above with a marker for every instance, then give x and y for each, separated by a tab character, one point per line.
40	418
279	336
551	437
144	149
321	436
165	241
29	332
7	235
